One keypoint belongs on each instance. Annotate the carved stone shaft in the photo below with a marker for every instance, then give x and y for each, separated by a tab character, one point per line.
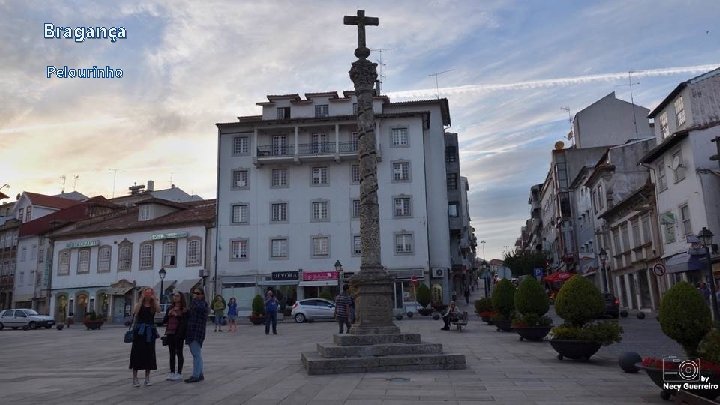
363	75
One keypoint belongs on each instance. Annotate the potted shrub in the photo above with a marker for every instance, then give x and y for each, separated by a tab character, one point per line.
423	297
503	301
579	302
484	309
258	310
685	317
93	321
531	304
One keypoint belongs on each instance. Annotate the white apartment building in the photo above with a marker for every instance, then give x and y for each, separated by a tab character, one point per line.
686	179
289	190
99	264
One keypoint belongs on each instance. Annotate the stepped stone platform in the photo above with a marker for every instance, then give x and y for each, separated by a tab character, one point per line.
376	353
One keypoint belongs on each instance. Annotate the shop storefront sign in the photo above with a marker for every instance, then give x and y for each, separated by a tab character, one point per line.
83	243
284	275
320	275
169	235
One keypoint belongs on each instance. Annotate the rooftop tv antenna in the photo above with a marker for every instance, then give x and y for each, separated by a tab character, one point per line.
630	84
381	76
571	135
75	179
436	74
62	182
114	178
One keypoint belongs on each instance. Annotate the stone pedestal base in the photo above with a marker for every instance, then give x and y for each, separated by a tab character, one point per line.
377	353
373	302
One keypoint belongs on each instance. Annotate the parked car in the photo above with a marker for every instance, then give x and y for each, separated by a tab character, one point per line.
612	305
25	318
160	315
311	309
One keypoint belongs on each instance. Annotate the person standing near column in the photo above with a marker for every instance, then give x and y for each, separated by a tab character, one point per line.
271	310
195	335
342	309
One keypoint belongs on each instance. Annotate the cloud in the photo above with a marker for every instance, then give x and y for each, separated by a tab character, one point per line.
564	81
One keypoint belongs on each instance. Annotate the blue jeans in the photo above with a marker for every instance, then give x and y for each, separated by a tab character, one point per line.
271	317
196	350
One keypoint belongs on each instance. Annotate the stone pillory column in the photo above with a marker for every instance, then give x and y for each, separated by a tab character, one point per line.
374	303
374	342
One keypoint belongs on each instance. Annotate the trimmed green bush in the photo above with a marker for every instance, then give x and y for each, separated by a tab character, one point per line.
483	305
579	301
423	295
531	298
709	347
503	298
685	317
258	305
604	333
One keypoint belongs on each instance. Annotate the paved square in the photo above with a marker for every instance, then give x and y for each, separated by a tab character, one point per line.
77	366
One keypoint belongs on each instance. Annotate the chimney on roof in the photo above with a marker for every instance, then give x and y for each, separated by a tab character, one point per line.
151	186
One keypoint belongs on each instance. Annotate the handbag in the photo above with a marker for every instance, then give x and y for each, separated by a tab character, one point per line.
164	340
129	334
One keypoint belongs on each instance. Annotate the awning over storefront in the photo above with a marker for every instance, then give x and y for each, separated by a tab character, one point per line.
317	283
683	262
278	282
119	290
186	285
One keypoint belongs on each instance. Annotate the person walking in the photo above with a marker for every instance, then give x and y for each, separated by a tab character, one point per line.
467	295
195	335
271	310
176	325
142	353
218	307
232	315
342	309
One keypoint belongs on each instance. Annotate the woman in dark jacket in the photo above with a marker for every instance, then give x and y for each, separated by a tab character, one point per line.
176	326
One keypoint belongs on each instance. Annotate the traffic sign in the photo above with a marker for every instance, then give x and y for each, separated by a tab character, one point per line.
659	270
414	280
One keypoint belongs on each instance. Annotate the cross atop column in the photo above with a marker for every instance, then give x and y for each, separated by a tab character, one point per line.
361	21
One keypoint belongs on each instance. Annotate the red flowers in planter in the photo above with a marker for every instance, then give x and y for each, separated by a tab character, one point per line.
664	363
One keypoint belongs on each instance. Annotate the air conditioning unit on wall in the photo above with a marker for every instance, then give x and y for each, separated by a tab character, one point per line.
438	272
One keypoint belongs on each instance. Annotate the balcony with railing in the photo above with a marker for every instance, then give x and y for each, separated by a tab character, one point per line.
307	152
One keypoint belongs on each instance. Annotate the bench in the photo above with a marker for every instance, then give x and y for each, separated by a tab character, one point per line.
460	322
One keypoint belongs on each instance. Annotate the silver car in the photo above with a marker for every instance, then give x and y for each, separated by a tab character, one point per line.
311	309
24	318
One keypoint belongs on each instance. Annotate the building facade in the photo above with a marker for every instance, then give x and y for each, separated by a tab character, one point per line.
99	264
289	190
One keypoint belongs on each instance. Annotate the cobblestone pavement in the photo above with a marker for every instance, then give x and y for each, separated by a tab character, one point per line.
248	367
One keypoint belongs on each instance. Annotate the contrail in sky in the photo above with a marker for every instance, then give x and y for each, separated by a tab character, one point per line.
558	82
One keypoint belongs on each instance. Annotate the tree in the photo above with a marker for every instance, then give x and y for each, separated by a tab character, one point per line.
523	262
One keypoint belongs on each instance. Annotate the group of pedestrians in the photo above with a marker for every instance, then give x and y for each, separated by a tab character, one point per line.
185	325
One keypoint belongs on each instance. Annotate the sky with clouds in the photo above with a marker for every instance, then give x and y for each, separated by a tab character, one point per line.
509	69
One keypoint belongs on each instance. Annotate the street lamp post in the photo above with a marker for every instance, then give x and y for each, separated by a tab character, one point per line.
603	259
339	269
705	237
482	242
162	274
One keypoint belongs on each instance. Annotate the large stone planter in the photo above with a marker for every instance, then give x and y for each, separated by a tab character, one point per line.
93	325
656	375
534	333
257	320
504	325
575	349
